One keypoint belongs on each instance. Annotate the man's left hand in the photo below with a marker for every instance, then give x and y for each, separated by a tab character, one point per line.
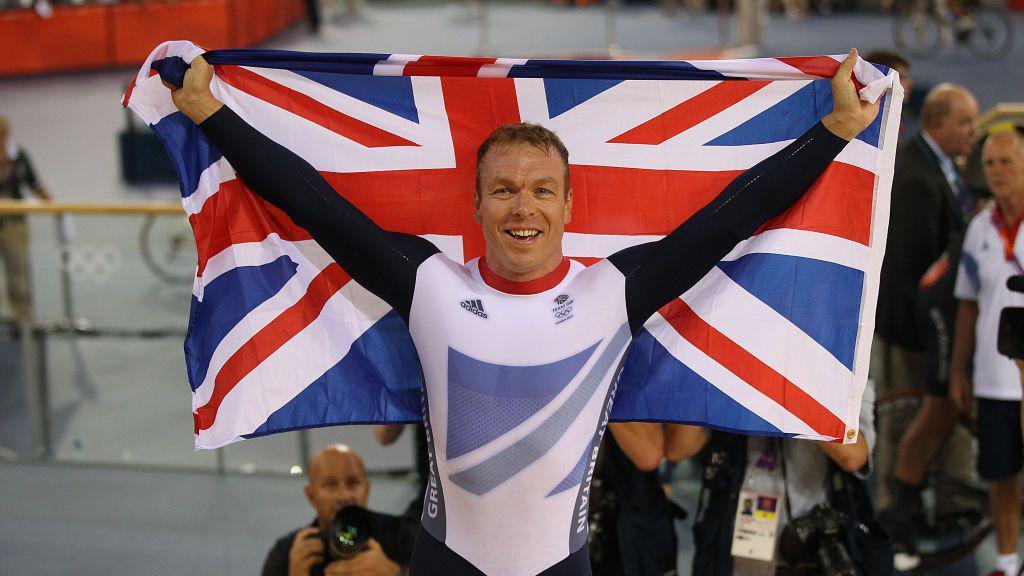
850	115
371	562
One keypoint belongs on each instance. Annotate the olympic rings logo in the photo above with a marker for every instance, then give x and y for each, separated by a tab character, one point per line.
89	262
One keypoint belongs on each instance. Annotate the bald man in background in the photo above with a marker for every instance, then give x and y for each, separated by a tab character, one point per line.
929	213
337	478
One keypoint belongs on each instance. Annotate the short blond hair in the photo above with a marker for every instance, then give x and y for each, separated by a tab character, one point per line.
523	133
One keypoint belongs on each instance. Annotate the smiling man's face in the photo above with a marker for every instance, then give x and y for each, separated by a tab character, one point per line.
523	204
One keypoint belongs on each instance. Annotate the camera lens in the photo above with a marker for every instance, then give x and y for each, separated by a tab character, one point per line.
349	533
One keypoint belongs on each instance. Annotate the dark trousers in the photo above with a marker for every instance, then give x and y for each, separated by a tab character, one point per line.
645	519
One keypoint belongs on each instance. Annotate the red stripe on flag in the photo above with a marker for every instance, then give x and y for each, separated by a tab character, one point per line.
688	114
235	215
270	339
822	66
610	200
607	201
838	203
128	94
306	107
586	260
131	87
751	370
450	66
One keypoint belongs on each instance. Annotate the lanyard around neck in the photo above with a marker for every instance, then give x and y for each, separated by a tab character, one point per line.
1008	236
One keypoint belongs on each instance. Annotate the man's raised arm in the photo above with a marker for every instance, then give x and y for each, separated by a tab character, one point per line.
658	272
382	262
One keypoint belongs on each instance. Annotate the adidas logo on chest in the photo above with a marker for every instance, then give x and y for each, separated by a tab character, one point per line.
476	306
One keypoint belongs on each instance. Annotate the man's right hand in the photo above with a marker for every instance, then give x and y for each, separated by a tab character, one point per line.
307	551
194	99
850	115
961	392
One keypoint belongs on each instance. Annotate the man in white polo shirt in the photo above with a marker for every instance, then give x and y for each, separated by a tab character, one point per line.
993	252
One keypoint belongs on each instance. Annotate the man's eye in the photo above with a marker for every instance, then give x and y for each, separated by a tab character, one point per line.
502	191
544	192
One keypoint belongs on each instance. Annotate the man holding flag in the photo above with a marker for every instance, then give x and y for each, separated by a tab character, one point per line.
523	326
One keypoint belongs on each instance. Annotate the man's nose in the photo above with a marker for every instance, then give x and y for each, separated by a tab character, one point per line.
523	204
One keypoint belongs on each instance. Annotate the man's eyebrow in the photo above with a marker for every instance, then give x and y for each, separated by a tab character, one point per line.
545	179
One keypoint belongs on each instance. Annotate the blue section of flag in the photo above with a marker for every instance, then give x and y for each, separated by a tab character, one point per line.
336	62
821	298
228	299
378	381
655	386
565	94
171	69
391	93
188	148
790	118
883	69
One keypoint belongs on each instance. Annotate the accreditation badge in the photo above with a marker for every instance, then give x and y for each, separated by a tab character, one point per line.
757	523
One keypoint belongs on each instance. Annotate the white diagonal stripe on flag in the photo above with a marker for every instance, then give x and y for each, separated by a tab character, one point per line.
805	244
770	337
285	374
209	184
394	65
731	385
328	151
579	245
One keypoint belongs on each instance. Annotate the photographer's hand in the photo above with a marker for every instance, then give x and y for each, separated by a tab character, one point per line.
307	551
371	562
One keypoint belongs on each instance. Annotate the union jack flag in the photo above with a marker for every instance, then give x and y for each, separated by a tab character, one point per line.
774	340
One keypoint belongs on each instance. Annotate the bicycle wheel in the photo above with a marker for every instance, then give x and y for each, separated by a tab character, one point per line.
943	539
917	31
168	249
992	35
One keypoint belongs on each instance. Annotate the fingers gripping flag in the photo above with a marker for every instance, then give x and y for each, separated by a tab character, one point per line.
774	340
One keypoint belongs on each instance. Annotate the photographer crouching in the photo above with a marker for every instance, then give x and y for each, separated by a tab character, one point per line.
345	538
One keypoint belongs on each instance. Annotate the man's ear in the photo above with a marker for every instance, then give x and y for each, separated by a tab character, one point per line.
567	216
309	494
476	208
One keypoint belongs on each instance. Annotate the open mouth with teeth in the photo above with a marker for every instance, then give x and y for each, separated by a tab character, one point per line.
523	234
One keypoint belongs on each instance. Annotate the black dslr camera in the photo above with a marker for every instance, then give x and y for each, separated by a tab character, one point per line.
348	535
1011	324
818	539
